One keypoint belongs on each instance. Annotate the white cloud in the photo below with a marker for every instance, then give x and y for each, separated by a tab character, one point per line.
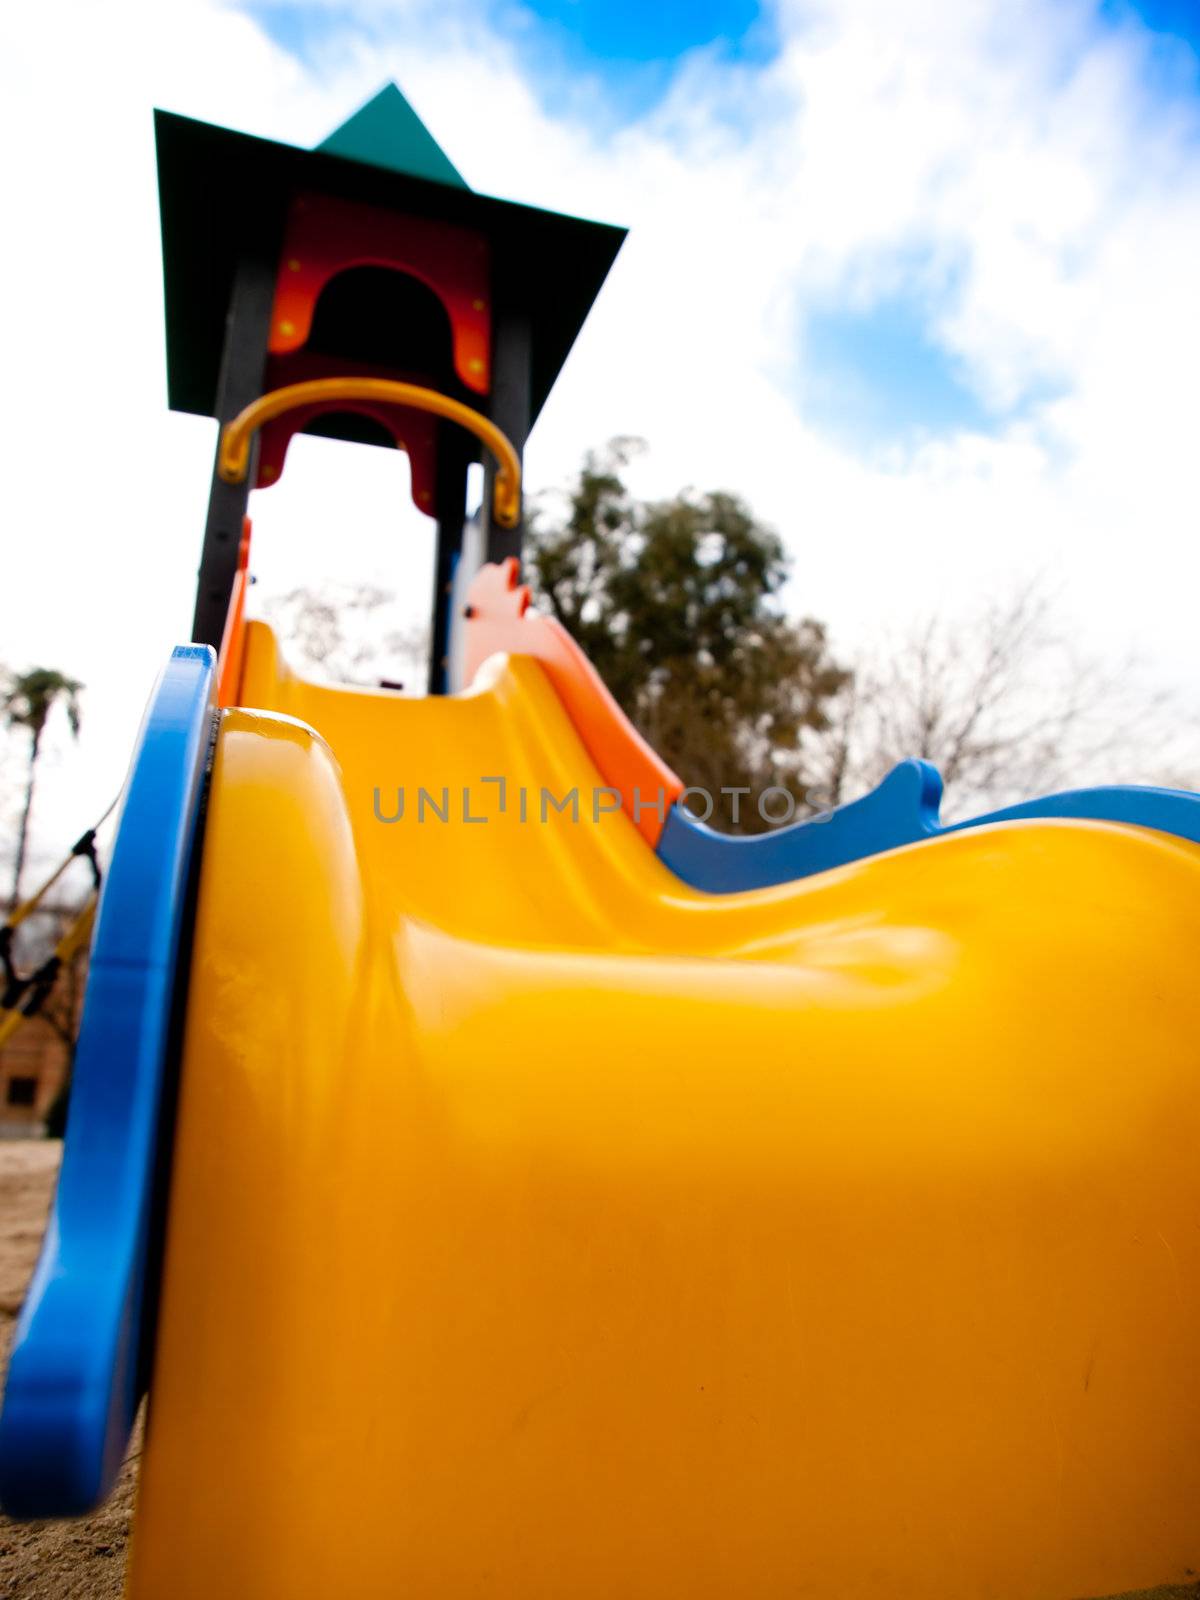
1013	160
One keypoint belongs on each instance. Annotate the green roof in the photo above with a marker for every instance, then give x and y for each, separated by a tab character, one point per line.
387	132
221	191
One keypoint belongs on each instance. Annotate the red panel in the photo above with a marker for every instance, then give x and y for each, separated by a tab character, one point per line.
325	237
415	432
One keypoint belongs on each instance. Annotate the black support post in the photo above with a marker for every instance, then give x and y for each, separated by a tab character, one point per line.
454	454
243	367
510	412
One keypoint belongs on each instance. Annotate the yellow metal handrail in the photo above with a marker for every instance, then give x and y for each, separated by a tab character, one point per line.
68	947
233	457
82	849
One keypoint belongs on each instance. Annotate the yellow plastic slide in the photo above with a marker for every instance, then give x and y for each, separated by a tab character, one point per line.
543	1229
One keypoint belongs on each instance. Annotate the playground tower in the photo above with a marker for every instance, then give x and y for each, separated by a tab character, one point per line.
365	263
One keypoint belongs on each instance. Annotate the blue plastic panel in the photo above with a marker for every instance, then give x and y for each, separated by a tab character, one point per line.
902	810
78	1366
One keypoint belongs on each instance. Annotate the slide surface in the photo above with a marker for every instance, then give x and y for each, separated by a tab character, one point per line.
540	1226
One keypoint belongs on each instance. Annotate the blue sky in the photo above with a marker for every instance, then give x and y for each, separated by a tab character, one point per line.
608	38
630	52
877	377
876	374
1179	19
633	32
634	49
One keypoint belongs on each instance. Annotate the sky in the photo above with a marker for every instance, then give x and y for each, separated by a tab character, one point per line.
917	280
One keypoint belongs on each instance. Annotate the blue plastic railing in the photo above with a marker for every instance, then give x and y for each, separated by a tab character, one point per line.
902	810
81	1358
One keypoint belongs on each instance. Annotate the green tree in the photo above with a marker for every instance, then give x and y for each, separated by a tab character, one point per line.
677	605
28	700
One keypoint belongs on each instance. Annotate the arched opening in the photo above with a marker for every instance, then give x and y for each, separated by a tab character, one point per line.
379	317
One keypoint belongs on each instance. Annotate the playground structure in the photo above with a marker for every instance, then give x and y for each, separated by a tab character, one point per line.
568	1199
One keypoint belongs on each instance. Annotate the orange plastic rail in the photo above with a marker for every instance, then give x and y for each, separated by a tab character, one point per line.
233	457
499	620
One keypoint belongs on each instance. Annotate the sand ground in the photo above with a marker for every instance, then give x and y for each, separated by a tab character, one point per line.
77	1560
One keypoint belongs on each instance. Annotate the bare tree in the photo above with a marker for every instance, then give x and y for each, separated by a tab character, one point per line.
344	633
1000	702
1005	708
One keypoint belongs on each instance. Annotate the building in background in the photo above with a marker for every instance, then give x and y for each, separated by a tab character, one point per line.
35	1062
33	1072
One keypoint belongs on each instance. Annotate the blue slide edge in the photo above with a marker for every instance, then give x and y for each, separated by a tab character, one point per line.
81	1356
902	810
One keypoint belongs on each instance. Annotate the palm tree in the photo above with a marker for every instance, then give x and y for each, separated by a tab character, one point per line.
28	699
